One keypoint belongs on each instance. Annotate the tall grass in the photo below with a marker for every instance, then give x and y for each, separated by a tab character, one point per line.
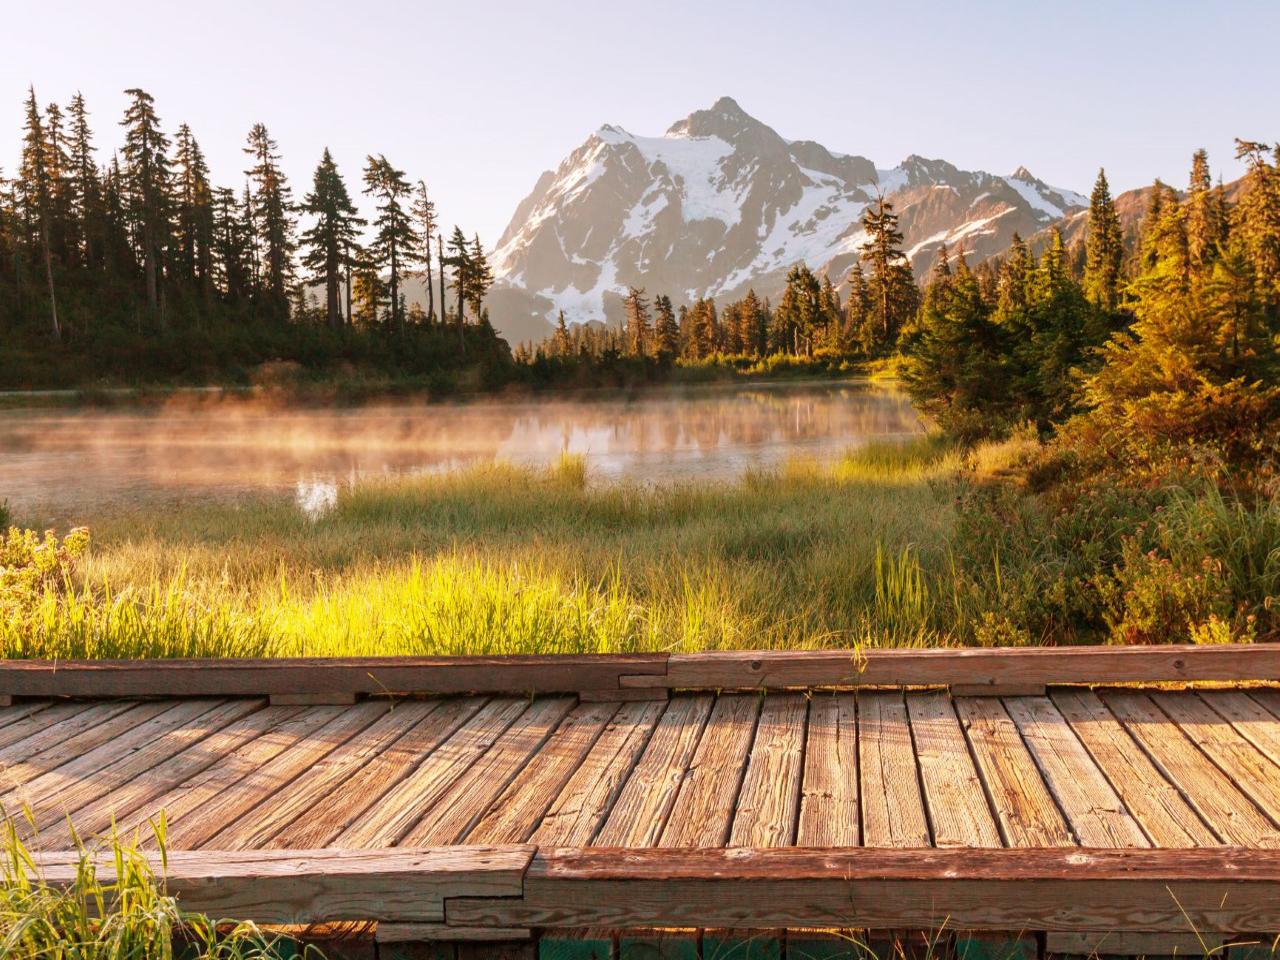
505	559
126	915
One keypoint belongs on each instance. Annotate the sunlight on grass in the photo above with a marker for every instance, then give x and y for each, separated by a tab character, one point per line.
501	559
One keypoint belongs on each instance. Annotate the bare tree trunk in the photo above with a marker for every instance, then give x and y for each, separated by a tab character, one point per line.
48	272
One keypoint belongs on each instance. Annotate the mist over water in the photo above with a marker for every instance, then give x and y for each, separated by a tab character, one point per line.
67	466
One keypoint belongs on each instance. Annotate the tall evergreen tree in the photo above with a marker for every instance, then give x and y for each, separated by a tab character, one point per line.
395	244
193	202
1257	219
424	215
273	222
329	244
666	330
147	174
1104	248
37	197
459	261
481	279
891	284
86	186
638	326
1206	216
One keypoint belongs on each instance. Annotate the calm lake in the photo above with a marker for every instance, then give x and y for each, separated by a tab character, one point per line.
63	466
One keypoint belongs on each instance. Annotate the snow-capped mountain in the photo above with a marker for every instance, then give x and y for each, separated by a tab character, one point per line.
721	203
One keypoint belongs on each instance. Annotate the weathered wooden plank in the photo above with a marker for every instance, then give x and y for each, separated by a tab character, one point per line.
364	788
139	727
23	730
560	673
1094	810
1247	714
1156	804
957	806
388	933
893	812
703	811
241	798
971	889
13	712
644	805
1121	943
769	802
1214	796
1025	809
80	730
829	815
578	812
180	801
516	812
256	828
449	818
385	823
132	767
1256	775
1039	666
112	807
312	886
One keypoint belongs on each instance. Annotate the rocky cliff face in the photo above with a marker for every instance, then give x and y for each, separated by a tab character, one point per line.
721	203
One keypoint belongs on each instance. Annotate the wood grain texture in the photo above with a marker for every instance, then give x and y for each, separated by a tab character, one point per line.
1095	812
123	799
580	810
1165	815
1012	666
1214	796
383	824
23	728
641	811
516	812
315	886
280	810
449	819
131	767
180	801
1025	808
893	812
559	673
1044	889
769	802
703	812
1257	776
958	810
1248	715
43	782
829	814
363	789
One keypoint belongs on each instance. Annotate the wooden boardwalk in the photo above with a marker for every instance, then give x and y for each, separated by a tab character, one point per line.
993	791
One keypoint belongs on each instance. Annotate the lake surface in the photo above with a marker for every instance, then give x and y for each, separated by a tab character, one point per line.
63	466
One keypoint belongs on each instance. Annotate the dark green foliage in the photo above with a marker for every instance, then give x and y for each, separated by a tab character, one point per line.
330	246
1104	248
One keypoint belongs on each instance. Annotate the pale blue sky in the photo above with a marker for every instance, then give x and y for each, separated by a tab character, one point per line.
479	97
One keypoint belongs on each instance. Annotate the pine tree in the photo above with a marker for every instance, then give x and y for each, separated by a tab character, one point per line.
891	284
666	330
395	244
37	197
1257	219
481	279
231	246
857	317
638	326
273	220
424	215
193	200
1104	248
330	244
560	342
459	261
86	186
147	189
1206	216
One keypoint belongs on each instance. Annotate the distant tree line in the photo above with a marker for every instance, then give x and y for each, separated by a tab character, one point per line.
118	261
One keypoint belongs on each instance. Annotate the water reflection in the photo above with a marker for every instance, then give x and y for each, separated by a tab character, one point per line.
64	463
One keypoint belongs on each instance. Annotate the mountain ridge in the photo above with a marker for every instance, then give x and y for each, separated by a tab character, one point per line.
721	203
